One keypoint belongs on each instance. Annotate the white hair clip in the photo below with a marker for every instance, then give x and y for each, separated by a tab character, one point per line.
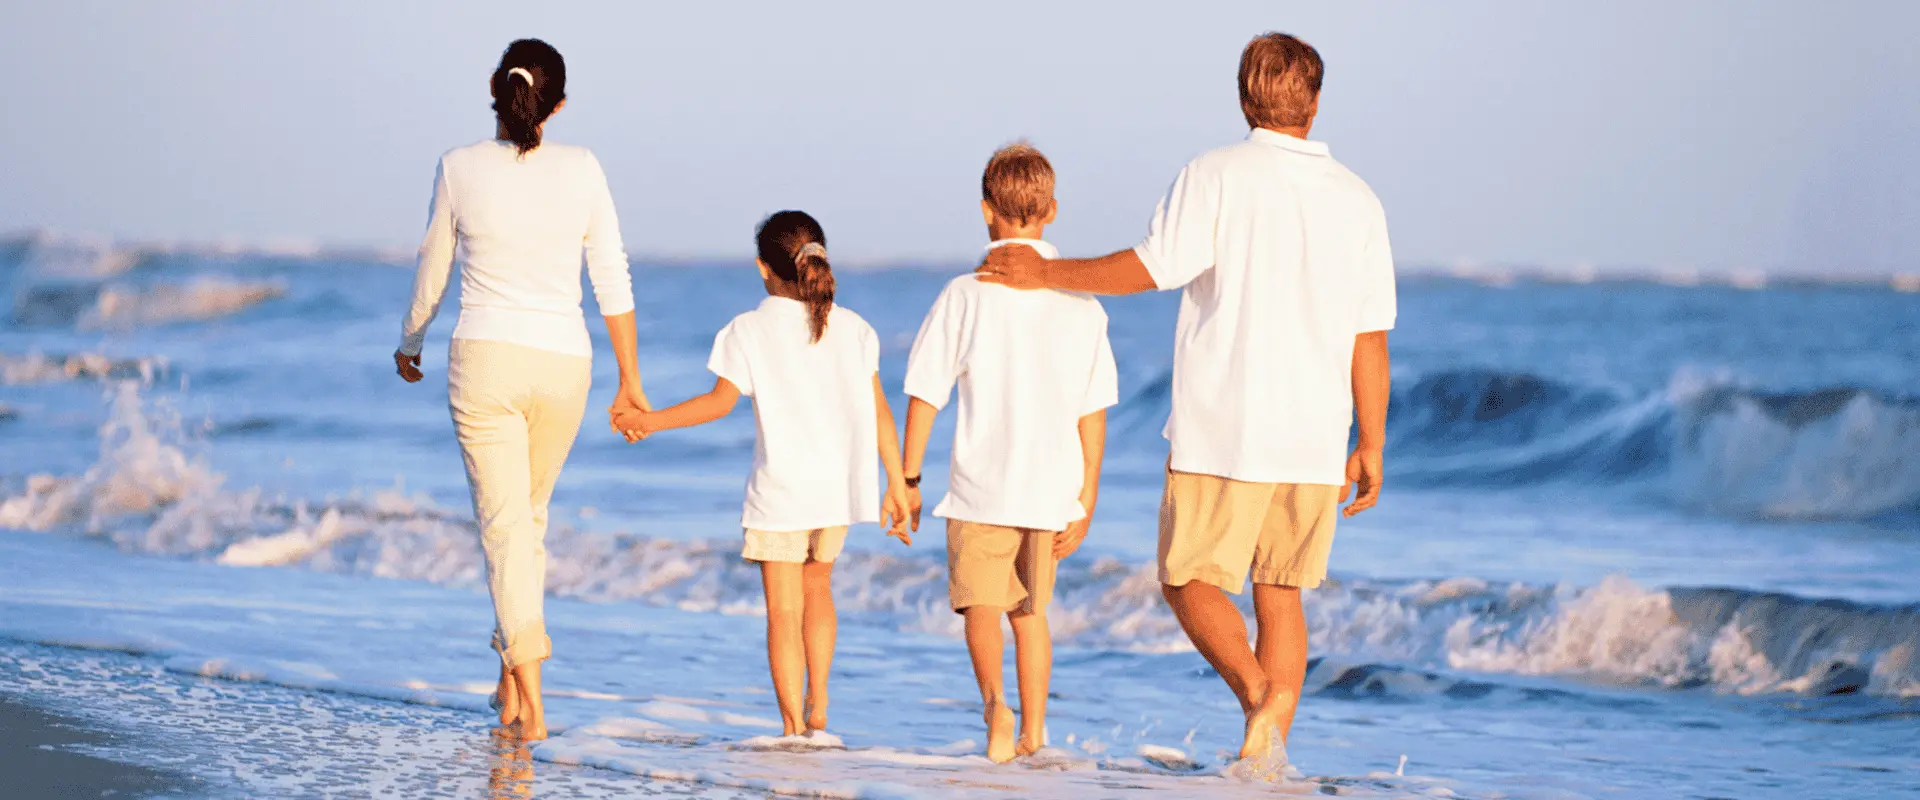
811	249
522	72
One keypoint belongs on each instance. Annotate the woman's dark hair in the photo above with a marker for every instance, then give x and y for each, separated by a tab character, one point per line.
527	86
794	248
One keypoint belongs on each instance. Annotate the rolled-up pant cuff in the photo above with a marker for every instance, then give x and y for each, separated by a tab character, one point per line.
530	645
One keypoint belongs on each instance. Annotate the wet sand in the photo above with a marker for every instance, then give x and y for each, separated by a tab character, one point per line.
41	755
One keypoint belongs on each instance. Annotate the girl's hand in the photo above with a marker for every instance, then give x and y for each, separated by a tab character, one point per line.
895	513
408	366
633	424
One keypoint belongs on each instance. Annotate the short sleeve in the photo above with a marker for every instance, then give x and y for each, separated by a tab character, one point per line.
1179	243
729	359
1378	304
1103	385
869	347
934	365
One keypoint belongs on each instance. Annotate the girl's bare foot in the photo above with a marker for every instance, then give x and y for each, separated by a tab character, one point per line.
816	711
1027	745
1262	721
1000	724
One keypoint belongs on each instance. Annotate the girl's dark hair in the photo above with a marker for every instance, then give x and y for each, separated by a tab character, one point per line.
521	104
783	241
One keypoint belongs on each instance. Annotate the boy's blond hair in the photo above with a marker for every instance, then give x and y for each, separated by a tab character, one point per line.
1018	184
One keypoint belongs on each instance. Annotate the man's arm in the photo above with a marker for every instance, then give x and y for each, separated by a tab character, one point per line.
1372	386
1020	267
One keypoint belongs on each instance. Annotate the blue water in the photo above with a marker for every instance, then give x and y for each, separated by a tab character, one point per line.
1693	500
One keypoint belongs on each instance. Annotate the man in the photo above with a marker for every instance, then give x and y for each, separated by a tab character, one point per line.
1282	340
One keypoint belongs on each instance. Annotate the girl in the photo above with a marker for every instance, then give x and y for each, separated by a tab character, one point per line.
811	368
521	210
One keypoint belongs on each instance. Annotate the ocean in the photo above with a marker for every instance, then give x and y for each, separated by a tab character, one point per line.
1638	539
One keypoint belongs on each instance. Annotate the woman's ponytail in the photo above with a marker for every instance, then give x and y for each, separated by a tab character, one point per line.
815	277
529	84
794	248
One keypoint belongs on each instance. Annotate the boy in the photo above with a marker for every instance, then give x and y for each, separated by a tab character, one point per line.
1036	376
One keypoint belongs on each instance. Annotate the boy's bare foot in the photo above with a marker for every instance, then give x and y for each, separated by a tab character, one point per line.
816	711
1262	721
1000	724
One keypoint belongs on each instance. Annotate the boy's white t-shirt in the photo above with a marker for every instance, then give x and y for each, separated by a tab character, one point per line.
1029	365
815	459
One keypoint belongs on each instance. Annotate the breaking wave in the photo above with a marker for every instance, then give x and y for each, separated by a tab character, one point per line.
1837	453
150	492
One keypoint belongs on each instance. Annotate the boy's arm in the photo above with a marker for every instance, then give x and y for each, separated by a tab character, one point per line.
1093	446
920	414
697	411
889	436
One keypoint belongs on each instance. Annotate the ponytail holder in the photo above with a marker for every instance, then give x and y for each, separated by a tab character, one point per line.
522	72
810	249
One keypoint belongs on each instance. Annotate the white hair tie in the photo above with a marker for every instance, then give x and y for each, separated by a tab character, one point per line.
522	72
810	249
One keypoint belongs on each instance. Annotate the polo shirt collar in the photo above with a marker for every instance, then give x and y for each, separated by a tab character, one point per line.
1045	249
1281	140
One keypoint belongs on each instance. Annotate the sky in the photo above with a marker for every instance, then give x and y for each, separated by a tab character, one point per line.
1717	136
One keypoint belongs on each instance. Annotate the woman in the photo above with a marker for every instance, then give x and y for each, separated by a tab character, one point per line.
521	363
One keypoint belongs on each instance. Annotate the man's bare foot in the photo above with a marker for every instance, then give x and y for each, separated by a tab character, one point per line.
1000	724
816	711
1262	721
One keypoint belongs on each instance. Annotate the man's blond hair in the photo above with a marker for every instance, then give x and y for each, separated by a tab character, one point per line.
1279	81
1018	184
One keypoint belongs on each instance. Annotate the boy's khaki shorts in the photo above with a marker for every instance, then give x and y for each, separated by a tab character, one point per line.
795	547
998	567
1216	530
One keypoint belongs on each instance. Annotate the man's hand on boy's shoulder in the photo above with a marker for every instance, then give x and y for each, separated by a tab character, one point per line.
1014	265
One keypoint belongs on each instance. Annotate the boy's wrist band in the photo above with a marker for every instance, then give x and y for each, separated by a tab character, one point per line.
912	483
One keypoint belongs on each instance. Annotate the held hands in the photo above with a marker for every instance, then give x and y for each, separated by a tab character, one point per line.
1014	265
408	366
627	415
1364	473
896	510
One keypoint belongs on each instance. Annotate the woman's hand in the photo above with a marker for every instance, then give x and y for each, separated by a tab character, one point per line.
631	399
895	512
408	366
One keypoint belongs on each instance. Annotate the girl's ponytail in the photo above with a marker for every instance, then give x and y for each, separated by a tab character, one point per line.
816	285
794	248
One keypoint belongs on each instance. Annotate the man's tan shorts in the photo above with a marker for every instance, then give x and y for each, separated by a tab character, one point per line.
1217	530
795	547
999	567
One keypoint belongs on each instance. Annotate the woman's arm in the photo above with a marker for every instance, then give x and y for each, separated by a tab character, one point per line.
433	268
626	351
639	423
895	507
612	279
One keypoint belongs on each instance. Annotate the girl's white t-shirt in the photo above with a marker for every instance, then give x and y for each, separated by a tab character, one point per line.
815	461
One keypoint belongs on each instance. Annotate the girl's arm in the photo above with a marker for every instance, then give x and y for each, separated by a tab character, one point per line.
698	411
895	508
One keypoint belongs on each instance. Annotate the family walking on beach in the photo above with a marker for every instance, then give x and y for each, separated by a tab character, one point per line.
1281	346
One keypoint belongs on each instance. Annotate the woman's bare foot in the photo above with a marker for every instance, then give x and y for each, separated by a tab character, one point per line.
1000	723
1262	721
506	698
533	714
816	711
